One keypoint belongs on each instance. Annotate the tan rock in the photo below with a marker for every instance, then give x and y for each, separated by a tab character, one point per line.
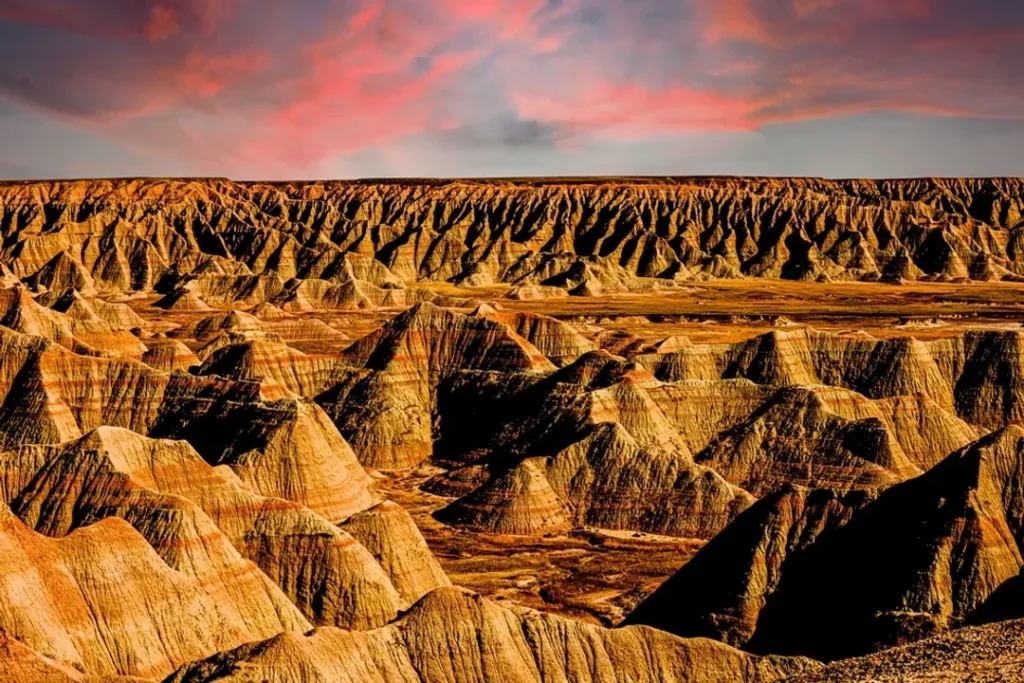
169	355
157	484
83	485
452	635
391	536
384	408
102	599
182	300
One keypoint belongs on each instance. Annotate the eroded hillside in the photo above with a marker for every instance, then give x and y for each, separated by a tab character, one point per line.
617	430
325	243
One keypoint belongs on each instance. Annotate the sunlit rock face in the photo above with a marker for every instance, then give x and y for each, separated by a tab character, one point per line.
276	432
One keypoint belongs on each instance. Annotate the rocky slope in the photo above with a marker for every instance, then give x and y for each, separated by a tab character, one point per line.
720	593
980	654
102	600
616	460
924	556
603	443
284	448
976	374
454	636
19	662
82	485
203	520
384	399
244	241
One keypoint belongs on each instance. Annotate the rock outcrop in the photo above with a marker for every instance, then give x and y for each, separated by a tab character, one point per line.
815	437
977	375
83	485
18	662
603	443
385	402
281	370
927	555
81	330
102	600
185	422
169	355
391	536
558	341
185	300
196	516
720	592
286	448
456	636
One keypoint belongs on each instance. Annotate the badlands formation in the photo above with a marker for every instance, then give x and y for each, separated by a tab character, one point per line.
681	429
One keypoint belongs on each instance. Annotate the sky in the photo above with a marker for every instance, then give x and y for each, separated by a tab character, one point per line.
303	89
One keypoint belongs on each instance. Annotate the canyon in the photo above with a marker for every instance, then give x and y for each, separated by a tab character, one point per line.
618	429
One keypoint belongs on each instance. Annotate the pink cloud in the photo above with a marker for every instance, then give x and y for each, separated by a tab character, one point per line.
367	84
752	95
511	17
824	58
163	23
632	111
206	75
381	70
523	23
388	73
785	22
369	73
732	20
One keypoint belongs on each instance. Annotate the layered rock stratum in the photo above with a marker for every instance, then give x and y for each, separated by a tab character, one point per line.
247	430
454	636
211	240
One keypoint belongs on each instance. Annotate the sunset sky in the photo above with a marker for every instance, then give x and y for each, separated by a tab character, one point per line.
344	88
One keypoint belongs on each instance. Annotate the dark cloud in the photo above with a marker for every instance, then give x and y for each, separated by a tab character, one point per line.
153	19
509	132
